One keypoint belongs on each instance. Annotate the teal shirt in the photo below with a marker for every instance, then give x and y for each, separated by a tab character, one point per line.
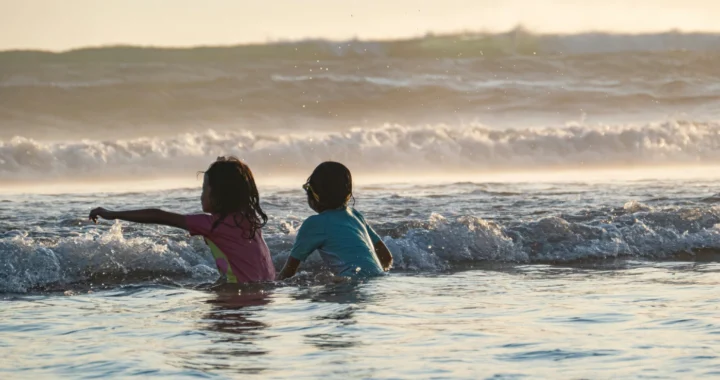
344	240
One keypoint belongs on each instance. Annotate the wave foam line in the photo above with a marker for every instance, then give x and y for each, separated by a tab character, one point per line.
634	231
392	148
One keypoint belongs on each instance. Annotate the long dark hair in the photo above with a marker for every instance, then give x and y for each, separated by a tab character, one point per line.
233	191
330	186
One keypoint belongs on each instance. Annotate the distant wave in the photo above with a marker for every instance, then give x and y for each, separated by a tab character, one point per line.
518	42
393	148
105	93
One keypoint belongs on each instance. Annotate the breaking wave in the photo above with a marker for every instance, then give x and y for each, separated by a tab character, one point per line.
392	148
633	231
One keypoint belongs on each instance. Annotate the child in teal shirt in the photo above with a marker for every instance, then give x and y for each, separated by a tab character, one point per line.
345	241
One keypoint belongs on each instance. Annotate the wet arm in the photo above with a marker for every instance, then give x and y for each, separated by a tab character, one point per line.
147	216
291	266
310	237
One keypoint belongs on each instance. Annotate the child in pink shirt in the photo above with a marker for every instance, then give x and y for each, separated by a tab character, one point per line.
232	227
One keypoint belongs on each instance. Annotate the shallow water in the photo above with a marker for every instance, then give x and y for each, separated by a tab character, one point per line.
647	320
471	295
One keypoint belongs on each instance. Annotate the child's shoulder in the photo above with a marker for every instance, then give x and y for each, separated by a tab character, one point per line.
357	213
342	213
314	224
332	216
314	220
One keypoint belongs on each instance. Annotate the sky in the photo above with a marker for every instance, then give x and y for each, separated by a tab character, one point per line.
65	24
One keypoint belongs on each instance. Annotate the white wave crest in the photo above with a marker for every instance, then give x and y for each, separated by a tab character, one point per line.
644	233
392	148
26	264
436	244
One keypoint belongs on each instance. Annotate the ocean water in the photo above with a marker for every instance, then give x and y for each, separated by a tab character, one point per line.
551	202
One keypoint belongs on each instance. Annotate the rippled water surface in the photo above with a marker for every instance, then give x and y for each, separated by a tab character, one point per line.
643	321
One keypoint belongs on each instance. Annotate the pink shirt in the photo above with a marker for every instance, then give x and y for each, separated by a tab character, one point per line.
238	258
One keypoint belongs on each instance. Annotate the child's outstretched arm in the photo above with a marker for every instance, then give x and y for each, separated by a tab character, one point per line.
149	216
384	255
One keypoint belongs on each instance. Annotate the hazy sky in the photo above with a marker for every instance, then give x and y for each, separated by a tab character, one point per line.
64	24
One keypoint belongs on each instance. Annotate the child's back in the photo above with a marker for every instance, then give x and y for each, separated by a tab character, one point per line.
240	257
347	244
343	239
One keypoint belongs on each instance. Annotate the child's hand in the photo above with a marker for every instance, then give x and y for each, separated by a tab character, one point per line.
101	213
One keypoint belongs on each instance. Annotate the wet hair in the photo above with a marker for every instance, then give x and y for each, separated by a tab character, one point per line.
233	191
330	186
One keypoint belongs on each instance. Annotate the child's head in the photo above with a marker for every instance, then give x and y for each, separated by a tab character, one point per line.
229	188
329	187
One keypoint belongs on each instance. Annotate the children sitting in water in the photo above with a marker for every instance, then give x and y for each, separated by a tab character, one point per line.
347	244
232	227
